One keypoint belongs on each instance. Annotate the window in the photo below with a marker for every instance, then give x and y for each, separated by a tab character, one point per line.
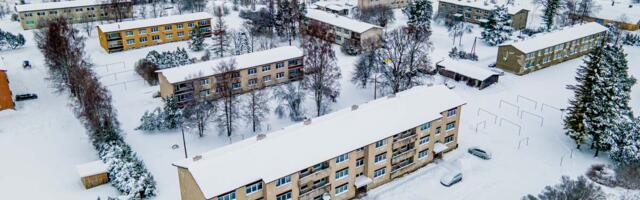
279	65
448	139
53	12
142	31
451	113
438	130
131	41
205	93
204	82
283	181
423	154
228	196
251	71
235	86
451	126
155	37
359	162
284	196
154	29
180	34
40	13
266	68
30	22
203	22
179	26
381	143
191	25
342	189
78	9
251	188
168	36
253	82
378	172
425	126
342	173
342	158
424	140
129	33
293	62
266	78
167	27
380	157
280	75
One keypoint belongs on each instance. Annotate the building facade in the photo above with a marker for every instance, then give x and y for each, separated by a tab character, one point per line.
551	48
477	12
624	15
334	7
364	4
147	32
6	97
341	29
34	15
340	155
201	81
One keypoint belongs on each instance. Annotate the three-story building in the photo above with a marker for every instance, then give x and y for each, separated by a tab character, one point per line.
342	29
34	15
477	11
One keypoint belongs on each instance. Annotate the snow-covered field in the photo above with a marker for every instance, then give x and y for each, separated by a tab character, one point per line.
41	142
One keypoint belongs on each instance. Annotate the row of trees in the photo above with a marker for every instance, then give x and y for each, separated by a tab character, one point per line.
70	71
566	12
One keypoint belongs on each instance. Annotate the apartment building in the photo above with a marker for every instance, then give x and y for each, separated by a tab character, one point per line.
34	15
6	97
339	156
343	29
202	81
147	32
340	8
548	49
394	4
477	11
625	16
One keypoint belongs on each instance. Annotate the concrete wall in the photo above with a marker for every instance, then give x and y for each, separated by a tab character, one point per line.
35	19
95	180
189	189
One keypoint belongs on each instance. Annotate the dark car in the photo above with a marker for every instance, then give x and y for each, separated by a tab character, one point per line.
26	64
23	97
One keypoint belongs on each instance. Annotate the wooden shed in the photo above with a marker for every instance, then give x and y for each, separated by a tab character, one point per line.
6	97
462	70
93	174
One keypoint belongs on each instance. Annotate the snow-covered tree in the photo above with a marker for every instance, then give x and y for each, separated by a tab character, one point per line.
290	97
380	15
457	29
569	189
196	43
288	17
498	27
550	12
170	116
169	59
256	108
419	14
197	114
366	67
322	75
221	43
406	60
227	87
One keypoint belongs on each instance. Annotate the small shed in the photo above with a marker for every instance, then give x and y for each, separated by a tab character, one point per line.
466	71
93	174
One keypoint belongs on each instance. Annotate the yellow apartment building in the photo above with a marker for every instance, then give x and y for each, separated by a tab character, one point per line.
34	15
147	32
202	81
624	15
340	155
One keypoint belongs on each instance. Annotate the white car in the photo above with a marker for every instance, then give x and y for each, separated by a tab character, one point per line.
451	178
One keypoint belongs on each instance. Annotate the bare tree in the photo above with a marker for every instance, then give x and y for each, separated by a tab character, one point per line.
227	86
322	74
367	65
118	9
220	34
256	108
290	97
87	23
198	114
406	59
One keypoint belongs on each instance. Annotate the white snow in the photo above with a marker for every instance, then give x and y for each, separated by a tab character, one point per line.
61	4
362	181
334	5
335	133
208	68
467	68
126	25
560	36
340	21
91	168
487	5
439	147
617	11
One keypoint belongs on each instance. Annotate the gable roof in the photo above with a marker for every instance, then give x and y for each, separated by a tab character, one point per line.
208	68
545	40
61	4
127	25
467	68
299	146
340	21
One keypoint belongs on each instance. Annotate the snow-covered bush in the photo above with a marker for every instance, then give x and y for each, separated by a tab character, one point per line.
455	54
169	59
570	189
147	70
161	119
603	175
10	40
127	173
631	39
628	176
349	48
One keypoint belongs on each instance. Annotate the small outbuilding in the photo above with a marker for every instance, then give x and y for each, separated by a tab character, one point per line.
461	70
93	174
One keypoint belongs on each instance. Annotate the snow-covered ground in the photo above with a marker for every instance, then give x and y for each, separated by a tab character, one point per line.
42	141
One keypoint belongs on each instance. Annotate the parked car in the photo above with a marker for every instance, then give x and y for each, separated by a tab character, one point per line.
451	178
23	97
480	153
26	64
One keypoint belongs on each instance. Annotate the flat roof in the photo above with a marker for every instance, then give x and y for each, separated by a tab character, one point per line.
208	68
296	147
61	4
616	11
127	25
556	37
334	5
340	21
467	68
487	5
91	168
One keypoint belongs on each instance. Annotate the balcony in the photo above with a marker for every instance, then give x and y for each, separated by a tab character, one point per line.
400	166
400	156
313	174
404	140
315	191
181	88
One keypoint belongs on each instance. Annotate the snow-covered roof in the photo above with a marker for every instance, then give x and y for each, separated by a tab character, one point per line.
61	4
439	147
340	21
2	68
466	68
487	5
616	11
154	22
362	181
299	146
334	5
545	40
91	168
208	68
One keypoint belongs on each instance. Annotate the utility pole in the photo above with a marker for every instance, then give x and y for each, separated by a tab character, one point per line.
184	143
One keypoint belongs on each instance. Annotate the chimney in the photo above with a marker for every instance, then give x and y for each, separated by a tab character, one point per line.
307	121
260	137
354	107
196	158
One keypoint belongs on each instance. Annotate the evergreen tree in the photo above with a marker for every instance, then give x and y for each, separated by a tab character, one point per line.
498	27
221	43
419	14
550	11
197	40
